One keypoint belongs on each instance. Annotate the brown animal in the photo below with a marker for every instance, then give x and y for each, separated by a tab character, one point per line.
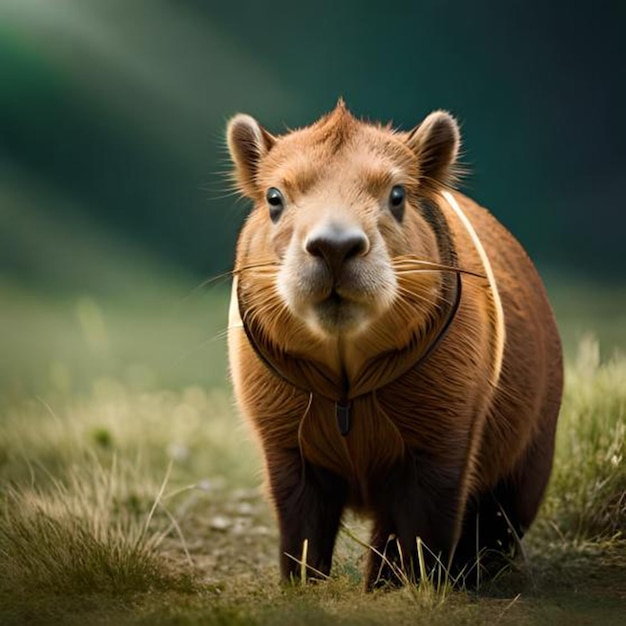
391	344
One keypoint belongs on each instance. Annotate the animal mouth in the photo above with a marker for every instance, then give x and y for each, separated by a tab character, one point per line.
334	299
331	304
337	313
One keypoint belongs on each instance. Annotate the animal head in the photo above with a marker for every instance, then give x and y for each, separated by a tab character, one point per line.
339	225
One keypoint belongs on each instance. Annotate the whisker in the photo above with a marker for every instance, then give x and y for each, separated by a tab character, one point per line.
272	307
420	298
423	298
211	281
270	310
408	312
398	261
406	284
233	272
254	266
222	334
223	195
429	270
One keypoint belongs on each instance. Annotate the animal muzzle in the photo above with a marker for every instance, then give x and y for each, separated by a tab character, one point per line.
335	245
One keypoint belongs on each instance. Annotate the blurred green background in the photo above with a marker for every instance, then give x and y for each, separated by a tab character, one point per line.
114	206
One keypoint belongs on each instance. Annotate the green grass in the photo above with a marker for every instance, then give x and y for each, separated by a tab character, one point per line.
587	499
129	490
87	532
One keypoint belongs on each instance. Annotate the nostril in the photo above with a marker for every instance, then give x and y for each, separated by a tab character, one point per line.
314	246
337	244
359	247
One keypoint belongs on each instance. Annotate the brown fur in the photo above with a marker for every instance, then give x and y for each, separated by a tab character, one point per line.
433	443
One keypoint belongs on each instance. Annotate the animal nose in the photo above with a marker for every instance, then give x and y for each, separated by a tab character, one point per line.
337	244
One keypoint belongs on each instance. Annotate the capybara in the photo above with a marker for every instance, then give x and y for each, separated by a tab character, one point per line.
391	345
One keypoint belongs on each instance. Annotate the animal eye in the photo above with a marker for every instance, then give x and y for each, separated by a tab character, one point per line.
276	202
397	196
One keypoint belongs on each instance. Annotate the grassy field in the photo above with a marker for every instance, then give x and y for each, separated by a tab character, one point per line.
129	490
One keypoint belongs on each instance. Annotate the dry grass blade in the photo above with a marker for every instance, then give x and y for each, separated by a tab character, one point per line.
304	566
78	537
422	588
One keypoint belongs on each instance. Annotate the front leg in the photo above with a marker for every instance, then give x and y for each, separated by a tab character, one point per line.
309	501
416	499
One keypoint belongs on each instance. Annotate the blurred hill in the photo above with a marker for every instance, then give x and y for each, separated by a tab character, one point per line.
112	116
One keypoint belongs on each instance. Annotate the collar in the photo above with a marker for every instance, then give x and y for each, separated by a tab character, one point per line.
343	404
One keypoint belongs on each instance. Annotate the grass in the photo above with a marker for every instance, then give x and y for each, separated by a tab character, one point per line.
85	533
127	497
587	499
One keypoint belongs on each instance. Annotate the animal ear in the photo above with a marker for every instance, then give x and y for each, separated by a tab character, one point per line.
248	143
435	143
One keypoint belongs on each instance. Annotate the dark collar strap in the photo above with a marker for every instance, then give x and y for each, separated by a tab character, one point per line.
343	407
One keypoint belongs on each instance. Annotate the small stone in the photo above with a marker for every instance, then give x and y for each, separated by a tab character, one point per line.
245	508
220	522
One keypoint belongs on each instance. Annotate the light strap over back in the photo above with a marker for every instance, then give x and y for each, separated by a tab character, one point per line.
500	331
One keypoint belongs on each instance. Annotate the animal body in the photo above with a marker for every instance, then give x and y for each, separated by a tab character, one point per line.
391	345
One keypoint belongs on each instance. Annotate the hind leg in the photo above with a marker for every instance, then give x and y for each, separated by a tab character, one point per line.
496	521
490	536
